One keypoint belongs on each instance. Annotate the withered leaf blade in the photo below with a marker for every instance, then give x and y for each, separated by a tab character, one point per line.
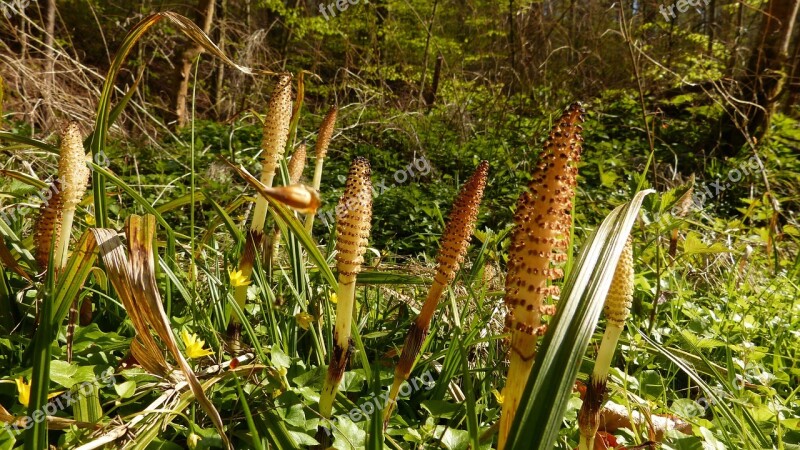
133	277
7	259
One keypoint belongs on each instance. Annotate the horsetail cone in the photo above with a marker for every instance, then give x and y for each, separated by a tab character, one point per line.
276	128
452	250
353	217
616	311
275	133
73	171
325	133
320	150
538	245
73	174
620	294
47	227
297	163
458	230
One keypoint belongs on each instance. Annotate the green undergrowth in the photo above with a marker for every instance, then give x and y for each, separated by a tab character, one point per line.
713	338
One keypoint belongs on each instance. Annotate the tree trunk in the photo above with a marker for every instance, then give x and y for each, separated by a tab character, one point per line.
217	90
425	57
430	94
794	80
737	40
50	26
184	66
535	44
711	24
766	70
512	46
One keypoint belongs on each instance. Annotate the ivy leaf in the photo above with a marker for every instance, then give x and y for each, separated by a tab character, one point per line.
347	435
694	246
68	375
126	389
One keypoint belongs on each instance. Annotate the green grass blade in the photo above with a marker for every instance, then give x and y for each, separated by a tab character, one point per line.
36	438
7	318
469	392
279	435
27	179
183	200
117	110
35	143
72	277
104	113
234	230
387	278
87	408
7	260
256	438
549	386
15	244
375	431
713	397
247	327
102	122
281	213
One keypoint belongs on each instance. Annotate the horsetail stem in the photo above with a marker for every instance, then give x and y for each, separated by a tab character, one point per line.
353	217
295	166
539	241
453	247
616	310
320	150
273	146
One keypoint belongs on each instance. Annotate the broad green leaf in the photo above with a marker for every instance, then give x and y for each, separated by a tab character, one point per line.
352	381
693	246
68	375
651	384
126	389
441	408
347	435
452	439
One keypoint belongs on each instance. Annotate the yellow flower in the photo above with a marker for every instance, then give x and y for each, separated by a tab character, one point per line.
498	396
24	390
194	345
90	220
333	297
237	278
304	319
